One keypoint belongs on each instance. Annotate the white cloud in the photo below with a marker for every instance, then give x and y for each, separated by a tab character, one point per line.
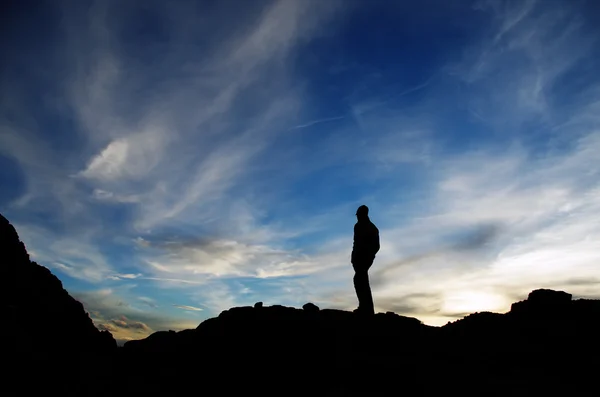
115	310
511	74
128	276
103	195
169	143
175	282
217	298
108	164
148	301
199	260
189	308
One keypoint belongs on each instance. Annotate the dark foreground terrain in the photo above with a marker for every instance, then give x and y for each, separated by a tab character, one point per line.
546	345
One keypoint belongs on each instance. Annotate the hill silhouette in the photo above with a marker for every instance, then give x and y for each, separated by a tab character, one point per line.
41	313
548	344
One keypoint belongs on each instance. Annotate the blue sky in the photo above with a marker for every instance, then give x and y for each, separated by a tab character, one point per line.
169	160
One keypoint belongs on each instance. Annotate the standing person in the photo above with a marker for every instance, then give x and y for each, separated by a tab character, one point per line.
366	245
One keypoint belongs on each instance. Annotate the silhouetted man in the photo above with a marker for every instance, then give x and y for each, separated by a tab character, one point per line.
366	245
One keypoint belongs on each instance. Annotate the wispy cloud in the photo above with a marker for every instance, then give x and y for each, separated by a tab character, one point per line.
148	301
190	308
116	311
124	276
75	257
320	121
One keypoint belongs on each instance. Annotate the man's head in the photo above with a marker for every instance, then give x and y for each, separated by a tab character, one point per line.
362	212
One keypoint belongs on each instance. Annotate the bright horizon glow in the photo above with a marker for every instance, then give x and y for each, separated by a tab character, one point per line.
168	161
474	301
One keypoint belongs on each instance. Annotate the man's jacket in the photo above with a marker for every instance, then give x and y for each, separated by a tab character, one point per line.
366	241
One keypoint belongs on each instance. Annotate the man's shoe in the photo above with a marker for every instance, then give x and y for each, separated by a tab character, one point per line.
363	312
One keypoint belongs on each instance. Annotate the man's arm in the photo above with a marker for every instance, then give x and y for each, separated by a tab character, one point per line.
375	240
353	246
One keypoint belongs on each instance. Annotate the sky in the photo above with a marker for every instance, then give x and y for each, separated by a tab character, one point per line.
170	160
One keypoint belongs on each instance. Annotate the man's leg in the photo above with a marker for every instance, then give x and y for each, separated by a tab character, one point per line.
367	296
363	289
359	282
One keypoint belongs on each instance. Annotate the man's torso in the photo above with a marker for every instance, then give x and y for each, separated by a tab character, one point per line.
366	241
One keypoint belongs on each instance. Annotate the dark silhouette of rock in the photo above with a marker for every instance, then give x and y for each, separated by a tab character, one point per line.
49	343
310	307
41	313
258	305
497	354
541	301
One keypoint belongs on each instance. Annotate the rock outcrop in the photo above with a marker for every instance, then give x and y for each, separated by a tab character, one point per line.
527	351
40	315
